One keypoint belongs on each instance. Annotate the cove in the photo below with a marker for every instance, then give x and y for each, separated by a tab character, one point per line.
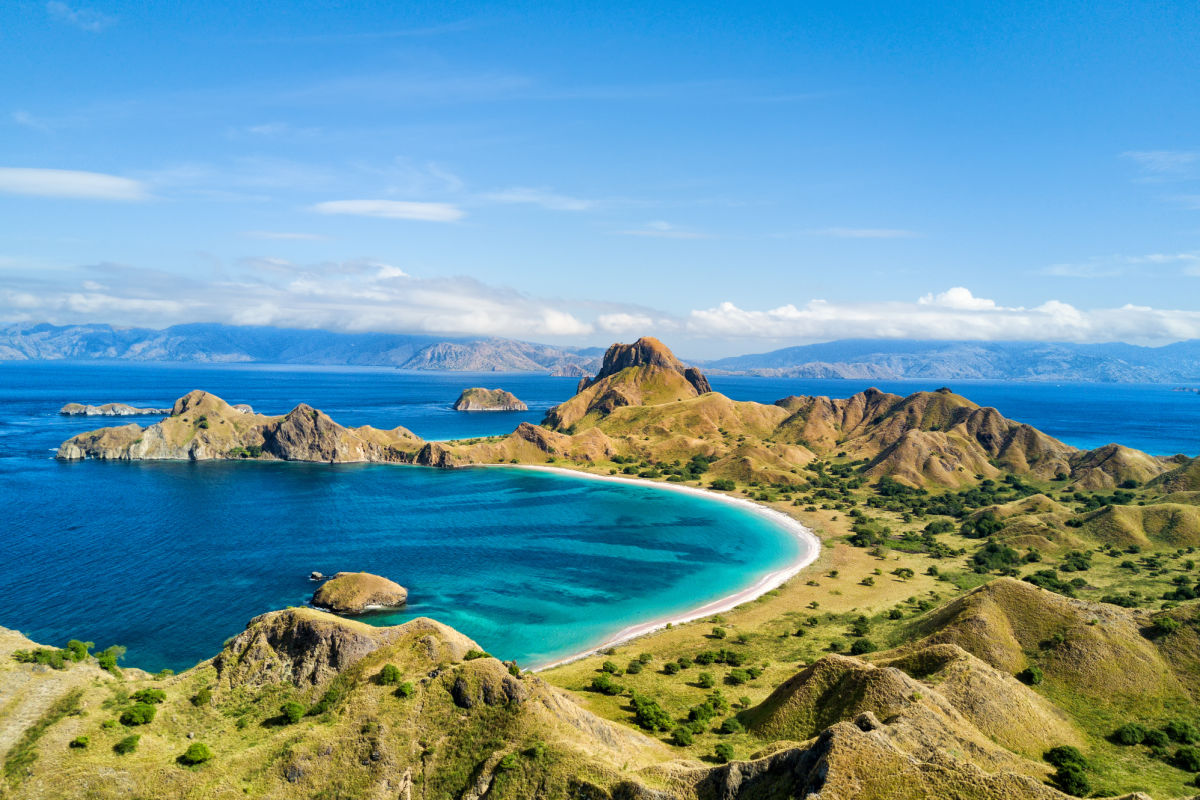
172	558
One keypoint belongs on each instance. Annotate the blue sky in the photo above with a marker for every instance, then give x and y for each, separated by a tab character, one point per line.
730	177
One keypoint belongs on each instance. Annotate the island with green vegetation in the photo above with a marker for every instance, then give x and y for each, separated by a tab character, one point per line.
993	614
479	399
358	592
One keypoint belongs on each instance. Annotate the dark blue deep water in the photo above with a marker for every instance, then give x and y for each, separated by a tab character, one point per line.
170	559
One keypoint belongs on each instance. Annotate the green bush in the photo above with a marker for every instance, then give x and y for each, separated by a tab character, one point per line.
389	675
645	658
475	653
292	711
671	668
684	662
1129	734
108	658
610	667
730	725
1071	780
737	677
1187	758
649	714
196	753
862	647
1031	675
681	737
1155	738
1164	626
724	752
706	680
1065	755
405	689
508	763
149	695
79	650
605	684
79	742
634	667
718	633
126	745
138	714
1182	731
203	697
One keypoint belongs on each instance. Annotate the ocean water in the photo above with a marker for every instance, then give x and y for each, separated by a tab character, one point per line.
170	559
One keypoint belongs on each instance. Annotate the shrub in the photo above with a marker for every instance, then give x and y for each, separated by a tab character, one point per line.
149	695
126	745
405	689
1129	734
649	714
610	667
634	667
681	737
1031	675
705	680
645	658
196	753
706	657
1065	755
730	725
509	762
861	647
108	658
1070	779
202	697
389	675
718	633
604	684
737	677
79	742
1164	626
78	649
684	662
723	485
1155	738
671	668
475	653
292	711
1183	732
1187	758
138	714
724	752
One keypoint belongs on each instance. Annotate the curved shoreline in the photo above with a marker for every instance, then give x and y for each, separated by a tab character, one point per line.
810	551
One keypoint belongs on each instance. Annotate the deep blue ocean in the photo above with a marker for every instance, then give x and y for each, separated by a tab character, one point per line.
170	559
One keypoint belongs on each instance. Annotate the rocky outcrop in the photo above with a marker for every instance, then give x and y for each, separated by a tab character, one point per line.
202	426
110	410
646	352
308	648
356	592
479	399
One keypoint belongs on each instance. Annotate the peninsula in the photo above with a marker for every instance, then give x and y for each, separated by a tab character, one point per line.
109	410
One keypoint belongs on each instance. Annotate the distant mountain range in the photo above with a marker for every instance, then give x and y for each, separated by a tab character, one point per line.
875	359
869	359
212	343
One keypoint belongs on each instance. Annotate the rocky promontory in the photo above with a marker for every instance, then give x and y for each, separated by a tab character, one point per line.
479	399
110	410
356	592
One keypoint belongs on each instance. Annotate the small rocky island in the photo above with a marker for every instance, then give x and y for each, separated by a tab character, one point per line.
357	592
110	410
479	399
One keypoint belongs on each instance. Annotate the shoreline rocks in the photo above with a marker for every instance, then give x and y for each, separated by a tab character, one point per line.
357	592
480	399
110	410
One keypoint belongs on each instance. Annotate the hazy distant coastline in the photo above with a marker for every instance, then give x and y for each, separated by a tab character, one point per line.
865	359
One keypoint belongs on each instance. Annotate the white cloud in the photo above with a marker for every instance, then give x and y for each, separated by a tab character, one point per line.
359	295
539	197
282	235
663	230
957	297
69	183
83	18
865	233
954	314
392	209
27	120
1112	266
1164	162
623	322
